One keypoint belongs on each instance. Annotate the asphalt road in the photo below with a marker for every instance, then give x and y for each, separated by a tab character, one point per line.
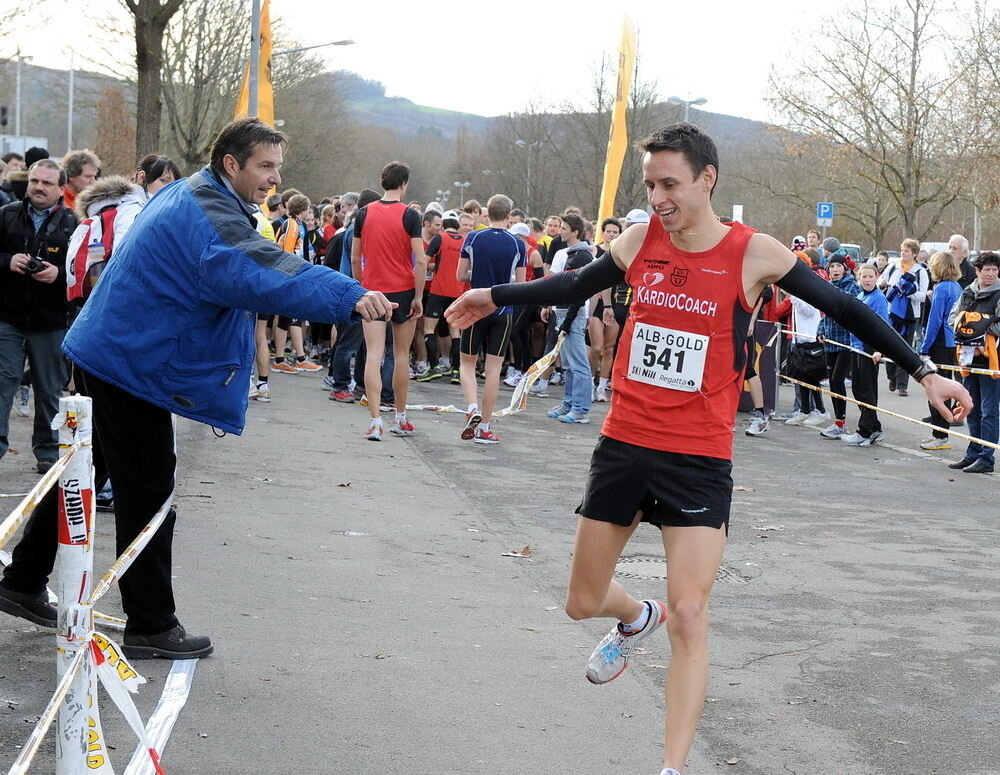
366	621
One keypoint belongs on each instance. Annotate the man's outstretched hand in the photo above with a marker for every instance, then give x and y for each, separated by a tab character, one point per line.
940	390
374	306
469	307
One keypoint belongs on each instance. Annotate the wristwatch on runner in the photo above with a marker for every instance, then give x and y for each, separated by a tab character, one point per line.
926	367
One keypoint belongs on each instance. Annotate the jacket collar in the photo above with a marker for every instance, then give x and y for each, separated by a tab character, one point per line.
223	182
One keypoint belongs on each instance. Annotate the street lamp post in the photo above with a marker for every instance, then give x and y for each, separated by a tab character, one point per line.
529	147
443	196
461	190
687	105
17	91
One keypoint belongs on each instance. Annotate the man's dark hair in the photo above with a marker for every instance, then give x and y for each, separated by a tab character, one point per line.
430	215
611	222
536	225
986	258
11	155
274	202
240	137
394	175
519	213
287	194
367	196
575	223
698	148
449	223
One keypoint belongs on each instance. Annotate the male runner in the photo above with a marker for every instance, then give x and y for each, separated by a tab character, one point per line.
445	248
665	451
489	256
387	233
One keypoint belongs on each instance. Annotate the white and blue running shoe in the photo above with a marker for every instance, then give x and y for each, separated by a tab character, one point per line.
611	656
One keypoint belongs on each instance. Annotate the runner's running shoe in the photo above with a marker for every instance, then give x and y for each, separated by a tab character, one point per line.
513	377
611	656
402	427
758	425
797	418
572	417
834	432
472	420
486	437
374	431
817	418
327	383
284	368
261	392
539	389
343	396
856	440
935	443
600	395
308	366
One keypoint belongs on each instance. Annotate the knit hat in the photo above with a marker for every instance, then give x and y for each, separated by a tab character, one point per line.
831	244
34	154
798	243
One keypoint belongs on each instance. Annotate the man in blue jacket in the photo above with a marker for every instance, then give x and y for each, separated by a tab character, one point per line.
170	329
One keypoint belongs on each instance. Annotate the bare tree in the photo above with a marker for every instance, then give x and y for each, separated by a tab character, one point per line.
151	18
203	55
115	133
871	89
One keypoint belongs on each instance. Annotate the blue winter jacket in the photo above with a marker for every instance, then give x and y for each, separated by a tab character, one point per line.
945	295
172	319
878	304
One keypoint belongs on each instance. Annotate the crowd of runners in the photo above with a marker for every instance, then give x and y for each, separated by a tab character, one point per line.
654	311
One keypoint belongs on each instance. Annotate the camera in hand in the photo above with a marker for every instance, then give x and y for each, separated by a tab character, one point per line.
34	265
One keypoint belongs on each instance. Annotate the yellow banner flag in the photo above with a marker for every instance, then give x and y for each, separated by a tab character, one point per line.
265	92
618	136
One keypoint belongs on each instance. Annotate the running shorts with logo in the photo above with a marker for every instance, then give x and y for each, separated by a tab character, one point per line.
404	300
490	335
436	305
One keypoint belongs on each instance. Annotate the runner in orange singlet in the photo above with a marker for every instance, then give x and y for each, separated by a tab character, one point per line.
665	452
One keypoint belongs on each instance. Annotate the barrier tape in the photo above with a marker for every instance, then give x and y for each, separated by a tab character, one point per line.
122	564
22	511
176	689
30	748
957	434
964	369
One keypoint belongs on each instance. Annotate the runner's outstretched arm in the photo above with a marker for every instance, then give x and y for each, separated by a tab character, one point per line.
562	288
861	321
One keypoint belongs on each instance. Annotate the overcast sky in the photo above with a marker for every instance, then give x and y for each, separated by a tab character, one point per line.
454	55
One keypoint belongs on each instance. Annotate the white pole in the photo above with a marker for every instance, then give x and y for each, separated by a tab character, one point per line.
254	58
69	121
17	94
79	740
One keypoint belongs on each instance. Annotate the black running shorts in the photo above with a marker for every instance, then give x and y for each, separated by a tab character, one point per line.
405	300
750	371
491	333
436	305
671	489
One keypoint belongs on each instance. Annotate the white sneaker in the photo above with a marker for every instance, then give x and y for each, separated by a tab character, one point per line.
758	425
856	440
816	419
540	389
834	432
797	418
600	395
611	656
513	378
556	378
327	383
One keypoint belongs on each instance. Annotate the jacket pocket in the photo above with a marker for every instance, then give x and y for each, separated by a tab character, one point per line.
199	385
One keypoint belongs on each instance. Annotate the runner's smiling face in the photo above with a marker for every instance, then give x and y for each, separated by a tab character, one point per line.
675	193
255	179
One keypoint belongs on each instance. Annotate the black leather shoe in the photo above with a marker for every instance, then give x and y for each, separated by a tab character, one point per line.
33	607
172	644
960	464
44	466
979	467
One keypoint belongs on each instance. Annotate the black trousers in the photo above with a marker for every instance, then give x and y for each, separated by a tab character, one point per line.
134	447
864	386
838	366
944	356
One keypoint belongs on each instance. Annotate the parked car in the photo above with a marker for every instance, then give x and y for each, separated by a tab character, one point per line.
854	251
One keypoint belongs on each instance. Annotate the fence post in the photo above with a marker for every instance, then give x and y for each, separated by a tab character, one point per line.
79	739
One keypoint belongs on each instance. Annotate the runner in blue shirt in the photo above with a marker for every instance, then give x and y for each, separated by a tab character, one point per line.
489	256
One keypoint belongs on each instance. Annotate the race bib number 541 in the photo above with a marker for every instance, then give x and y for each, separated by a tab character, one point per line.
667	358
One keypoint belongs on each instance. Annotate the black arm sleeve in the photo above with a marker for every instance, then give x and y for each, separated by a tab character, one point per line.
563	288
851	313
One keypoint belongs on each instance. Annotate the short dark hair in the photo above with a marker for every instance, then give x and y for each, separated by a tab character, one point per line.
274	202
297	205
11	155
449	223
575	223
367	196
51	165
498	207
519	212
155	167
74	162
394	175
238	139
287	194
698	148
986	258
430	215
611	222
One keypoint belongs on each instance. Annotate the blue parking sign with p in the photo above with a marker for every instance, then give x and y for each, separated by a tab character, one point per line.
824	213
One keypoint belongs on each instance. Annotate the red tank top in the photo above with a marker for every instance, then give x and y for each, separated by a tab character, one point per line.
387	253
679	368
444	283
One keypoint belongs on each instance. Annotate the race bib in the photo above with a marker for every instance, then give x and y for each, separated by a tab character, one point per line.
667	358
